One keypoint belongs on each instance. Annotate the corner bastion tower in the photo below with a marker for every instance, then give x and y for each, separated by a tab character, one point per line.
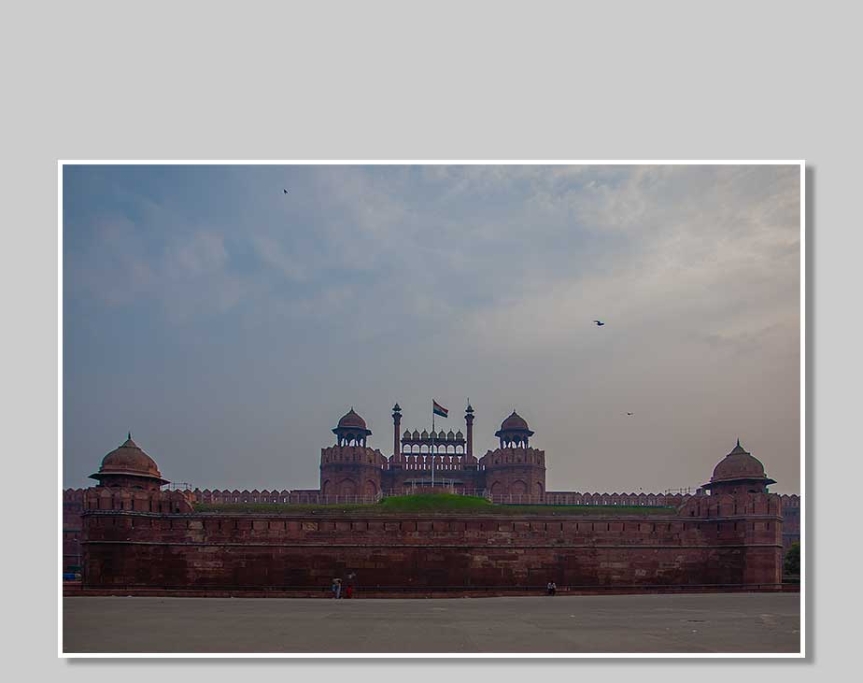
738	472
129	467
129	479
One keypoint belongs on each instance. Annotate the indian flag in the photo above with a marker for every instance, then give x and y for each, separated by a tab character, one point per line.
438	409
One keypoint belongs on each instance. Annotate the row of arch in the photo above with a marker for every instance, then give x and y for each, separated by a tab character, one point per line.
458	449
516	488
351	441
437	436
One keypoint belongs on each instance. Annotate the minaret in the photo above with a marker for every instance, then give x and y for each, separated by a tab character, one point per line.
397	420
468	418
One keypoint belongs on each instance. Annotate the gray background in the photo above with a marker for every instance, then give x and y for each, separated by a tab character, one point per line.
772	80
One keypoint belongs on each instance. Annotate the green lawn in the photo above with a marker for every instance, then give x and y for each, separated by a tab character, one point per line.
437	503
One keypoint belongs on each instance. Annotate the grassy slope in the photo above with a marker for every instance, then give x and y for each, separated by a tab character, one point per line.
437	503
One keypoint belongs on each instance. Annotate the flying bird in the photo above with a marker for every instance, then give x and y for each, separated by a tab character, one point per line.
630	413
599	323
285	191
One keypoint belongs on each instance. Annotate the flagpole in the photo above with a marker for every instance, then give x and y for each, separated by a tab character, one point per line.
432	448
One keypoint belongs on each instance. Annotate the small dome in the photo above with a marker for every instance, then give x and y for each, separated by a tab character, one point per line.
738	464
450	435
424	434
514	421
407	434
352	421
129	460
459	435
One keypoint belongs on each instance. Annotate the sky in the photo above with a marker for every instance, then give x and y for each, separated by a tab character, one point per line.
229	325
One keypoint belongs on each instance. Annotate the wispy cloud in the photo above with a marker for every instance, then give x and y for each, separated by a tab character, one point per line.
384	283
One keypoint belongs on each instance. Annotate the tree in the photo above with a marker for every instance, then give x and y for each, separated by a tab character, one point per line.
792	559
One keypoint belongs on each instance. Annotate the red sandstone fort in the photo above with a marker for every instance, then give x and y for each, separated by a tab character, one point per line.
131	532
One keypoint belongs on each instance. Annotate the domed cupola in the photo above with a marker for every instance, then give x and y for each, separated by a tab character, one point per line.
514	432
130	467
739	472
351	430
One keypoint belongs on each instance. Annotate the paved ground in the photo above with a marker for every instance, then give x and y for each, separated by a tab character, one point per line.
703	623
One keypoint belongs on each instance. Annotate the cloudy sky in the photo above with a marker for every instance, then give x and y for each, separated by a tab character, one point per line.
229	325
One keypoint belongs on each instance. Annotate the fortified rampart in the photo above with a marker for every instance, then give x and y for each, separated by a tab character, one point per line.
712	540
73	507
131	531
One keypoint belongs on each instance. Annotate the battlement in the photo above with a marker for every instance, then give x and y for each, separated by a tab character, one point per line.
513	456
105	498
359	455
788	502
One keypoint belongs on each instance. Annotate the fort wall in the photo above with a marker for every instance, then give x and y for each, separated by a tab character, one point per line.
73	508
721	540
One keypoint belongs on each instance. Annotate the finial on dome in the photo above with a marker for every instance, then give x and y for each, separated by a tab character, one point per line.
129	437
738	442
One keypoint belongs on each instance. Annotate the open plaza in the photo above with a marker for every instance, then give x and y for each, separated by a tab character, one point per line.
697	624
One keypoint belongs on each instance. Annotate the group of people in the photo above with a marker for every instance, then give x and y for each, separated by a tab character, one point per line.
336	588
551	588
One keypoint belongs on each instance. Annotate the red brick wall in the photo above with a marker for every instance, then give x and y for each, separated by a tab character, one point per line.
714	540
73	506
790	520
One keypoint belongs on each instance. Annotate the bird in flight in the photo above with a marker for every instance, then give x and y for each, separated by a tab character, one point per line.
630	413
285	191
599	323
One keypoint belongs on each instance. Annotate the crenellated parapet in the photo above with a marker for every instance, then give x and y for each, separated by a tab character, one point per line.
605	498
360	455
245	496
73	495
501	457
727	505
136	500
790	519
